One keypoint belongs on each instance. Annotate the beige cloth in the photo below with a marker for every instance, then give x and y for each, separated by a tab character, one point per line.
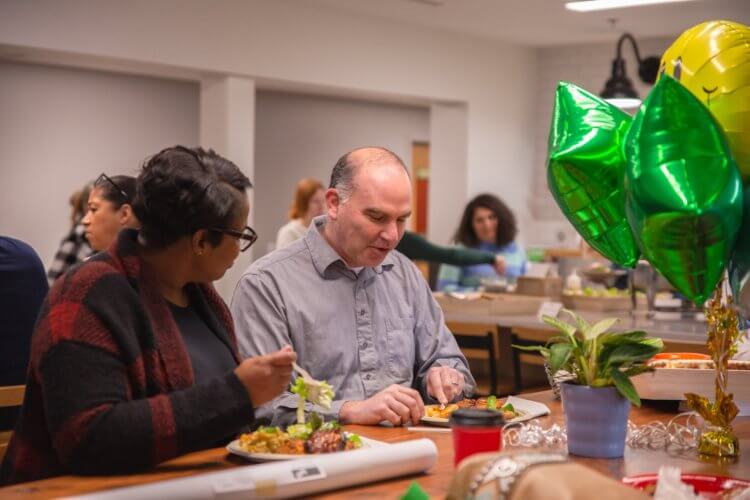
562	481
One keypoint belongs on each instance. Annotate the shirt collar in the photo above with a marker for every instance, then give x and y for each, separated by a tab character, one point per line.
324	256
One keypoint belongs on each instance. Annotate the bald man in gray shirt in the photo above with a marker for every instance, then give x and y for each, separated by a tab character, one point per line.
358	314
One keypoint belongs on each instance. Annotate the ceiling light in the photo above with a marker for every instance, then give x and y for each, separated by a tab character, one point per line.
591	5
619	90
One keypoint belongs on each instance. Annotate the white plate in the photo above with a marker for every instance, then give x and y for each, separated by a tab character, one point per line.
528	409
235	449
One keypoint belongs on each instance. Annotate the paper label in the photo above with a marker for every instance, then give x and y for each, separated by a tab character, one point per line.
549	309
238	486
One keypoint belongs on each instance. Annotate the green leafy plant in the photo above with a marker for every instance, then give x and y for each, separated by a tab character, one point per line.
596	357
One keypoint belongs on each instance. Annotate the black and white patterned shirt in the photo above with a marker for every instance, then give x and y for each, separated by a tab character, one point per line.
73	249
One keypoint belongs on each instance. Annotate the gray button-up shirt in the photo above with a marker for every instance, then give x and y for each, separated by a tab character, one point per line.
360	332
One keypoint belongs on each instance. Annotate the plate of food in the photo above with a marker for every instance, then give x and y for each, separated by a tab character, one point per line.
706	485
309	436
514	409
268	444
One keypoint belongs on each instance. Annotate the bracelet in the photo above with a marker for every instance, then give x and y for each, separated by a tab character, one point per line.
505	470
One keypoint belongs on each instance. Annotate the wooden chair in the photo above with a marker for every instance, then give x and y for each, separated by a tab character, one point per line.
10	395
527	337
480	342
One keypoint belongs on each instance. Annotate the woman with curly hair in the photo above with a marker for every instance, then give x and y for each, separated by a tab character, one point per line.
134	358
487	224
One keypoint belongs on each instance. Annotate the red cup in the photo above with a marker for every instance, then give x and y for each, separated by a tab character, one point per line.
476	431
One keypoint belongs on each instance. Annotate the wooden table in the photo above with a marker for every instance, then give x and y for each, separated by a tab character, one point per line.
435	481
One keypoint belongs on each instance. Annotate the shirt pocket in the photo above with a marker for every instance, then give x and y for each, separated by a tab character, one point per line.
400	339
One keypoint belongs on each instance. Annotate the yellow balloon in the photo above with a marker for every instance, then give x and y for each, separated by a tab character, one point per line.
712	60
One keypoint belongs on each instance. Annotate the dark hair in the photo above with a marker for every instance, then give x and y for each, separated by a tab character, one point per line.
118	189
506	221
181	190
342	175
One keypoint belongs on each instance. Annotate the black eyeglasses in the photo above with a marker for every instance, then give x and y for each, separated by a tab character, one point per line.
248	235
105	178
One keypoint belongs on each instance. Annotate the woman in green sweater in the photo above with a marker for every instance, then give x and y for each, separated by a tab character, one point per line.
416	247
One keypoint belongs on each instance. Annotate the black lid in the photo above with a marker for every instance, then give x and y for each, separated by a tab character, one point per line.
474	417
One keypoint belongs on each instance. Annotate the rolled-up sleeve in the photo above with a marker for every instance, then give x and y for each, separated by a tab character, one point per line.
436	345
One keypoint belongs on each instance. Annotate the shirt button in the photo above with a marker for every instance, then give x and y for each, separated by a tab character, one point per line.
364	345
368	376
361	312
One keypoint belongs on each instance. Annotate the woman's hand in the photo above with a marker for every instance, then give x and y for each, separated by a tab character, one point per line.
499	265
265	377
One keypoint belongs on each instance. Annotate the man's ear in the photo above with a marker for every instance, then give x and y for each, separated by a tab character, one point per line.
199	241
333	203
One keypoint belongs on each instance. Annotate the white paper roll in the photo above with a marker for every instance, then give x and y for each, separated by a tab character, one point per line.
293	478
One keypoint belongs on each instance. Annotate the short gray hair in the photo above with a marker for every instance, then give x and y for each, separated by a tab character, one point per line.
342	175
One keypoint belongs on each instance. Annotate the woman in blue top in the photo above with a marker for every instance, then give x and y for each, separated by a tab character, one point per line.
487	224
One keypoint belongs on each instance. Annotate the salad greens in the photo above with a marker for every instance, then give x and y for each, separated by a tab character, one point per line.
317	392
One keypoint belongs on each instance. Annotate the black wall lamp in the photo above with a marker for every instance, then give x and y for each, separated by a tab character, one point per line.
619	89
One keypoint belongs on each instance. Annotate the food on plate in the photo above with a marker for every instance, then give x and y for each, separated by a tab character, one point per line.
606	293
509	412
313	437
697	364
318	392
598	267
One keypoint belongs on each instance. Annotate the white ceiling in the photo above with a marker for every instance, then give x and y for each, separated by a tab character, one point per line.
544	22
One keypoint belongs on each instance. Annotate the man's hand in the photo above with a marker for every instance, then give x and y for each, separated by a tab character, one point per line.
499	265
444	383
396	404
265	377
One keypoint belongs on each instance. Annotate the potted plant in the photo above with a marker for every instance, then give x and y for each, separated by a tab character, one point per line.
597	397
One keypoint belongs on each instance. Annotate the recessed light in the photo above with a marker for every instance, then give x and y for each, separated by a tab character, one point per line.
592	5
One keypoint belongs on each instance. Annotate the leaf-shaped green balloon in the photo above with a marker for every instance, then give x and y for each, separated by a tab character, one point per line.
684	194
585	170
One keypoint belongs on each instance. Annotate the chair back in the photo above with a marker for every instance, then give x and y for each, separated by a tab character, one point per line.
10	395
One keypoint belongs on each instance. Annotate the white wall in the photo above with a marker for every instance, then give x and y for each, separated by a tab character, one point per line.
303	136
292	44
588	66
60	128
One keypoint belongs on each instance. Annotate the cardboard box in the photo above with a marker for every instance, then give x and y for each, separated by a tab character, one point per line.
602	304
541	287
490	304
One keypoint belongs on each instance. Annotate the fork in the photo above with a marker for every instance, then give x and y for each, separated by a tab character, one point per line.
305	375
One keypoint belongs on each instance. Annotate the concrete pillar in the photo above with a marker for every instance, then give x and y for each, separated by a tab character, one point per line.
448	170
227	125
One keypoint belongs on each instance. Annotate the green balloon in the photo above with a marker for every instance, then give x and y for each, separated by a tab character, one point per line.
684	192
585	170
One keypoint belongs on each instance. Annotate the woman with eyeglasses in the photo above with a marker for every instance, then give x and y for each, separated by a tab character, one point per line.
134	358
110	209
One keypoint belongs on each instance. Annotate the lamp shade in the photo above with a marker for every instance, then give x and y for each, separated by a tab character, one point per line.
618	84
